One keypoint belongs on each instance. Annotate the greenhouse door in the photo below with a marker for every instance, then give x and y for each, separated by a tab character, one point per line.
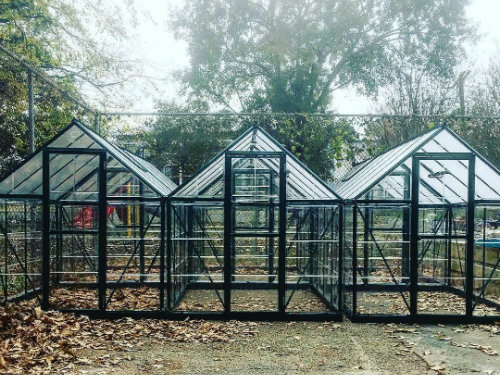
74	227
254	232
442	234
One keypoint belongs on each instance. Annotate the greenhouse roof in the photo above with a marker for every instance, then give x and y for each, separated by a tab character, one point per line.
441	180
301	182
27	178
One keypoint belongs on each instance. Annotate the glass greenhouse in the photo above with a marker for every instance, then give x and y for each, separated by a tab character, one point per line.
255	234
410	235
421	233
81	221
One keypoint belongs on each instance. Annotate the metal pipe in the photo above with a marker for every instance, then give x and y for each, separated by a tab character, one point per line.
31	113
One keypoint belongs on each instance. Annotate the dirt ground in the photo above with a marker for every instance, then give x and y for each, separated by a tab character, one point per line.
308	348
51	342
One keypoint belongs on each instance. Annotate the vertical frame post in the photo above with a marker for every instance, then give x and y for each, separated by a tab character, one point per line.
311	247
5	278
190	244
31	113
366	238
271	230
25	227
45	228
282	236
103	202
354	258
142	213
405	248
162	254
449	232
59	238
228	223
415	189
469	265
169	254
340	302
97	122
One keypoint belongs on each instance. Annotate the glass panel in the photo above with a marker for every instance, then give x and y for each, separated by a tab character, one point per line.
20	247
312	259
74	217
301	184
487	261
487	181
255	180
379	166
26	179
382	259
392	187
73	137
197	257
73	260
256	219
441	264
447	179
133	255
348	256
200	183
66	173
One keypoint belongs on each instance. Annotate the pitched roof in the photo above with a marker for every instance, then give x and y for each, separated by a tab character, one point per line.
451	184
301	182
27	178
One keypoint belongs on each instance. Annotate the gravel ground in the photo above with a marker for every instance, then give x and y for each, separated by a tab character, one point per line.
284	348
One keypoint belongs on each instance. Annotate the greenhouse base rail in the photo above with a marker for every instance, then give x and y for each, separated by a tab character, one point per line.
234	315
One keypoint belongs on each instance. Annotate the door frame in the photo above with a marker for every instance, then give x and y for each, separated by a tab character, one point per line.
102	219
414	224
229	206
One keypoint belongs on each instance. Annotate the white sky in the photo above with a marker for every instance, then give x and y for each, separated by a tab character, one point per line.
154	43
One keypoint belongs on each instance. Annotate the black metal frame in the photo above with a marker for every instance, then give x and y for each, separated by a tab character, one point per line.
169	216
411	233
228	204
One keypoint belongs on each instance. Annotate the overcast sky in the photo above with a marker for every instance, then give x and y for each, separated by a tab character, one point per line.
155	44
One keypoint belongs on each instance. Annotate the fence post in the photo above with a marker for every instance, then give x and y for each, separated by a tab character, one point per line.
31	113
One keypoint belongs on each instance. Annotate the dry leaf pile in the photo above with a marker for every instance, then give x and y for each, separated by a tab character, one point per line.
252	300
142	298
32	340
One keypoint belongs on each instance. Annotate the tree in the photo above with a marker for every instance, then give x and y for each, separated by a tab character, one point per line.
289	56
484	97
427	103
321	142
55	37
483	102
184	144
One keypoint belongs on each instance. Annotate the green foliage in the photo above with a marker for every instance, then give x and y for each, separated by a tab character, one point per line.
289	56
187	143
54	37
321	142
184	144
481	133
484	96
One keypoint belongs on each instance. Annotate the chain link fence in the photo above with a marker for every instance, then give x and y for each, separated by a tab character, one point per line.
33	107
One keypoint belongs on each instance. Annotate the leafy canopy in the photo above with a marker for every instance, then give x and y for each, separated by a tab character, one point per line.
290	55
56	38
